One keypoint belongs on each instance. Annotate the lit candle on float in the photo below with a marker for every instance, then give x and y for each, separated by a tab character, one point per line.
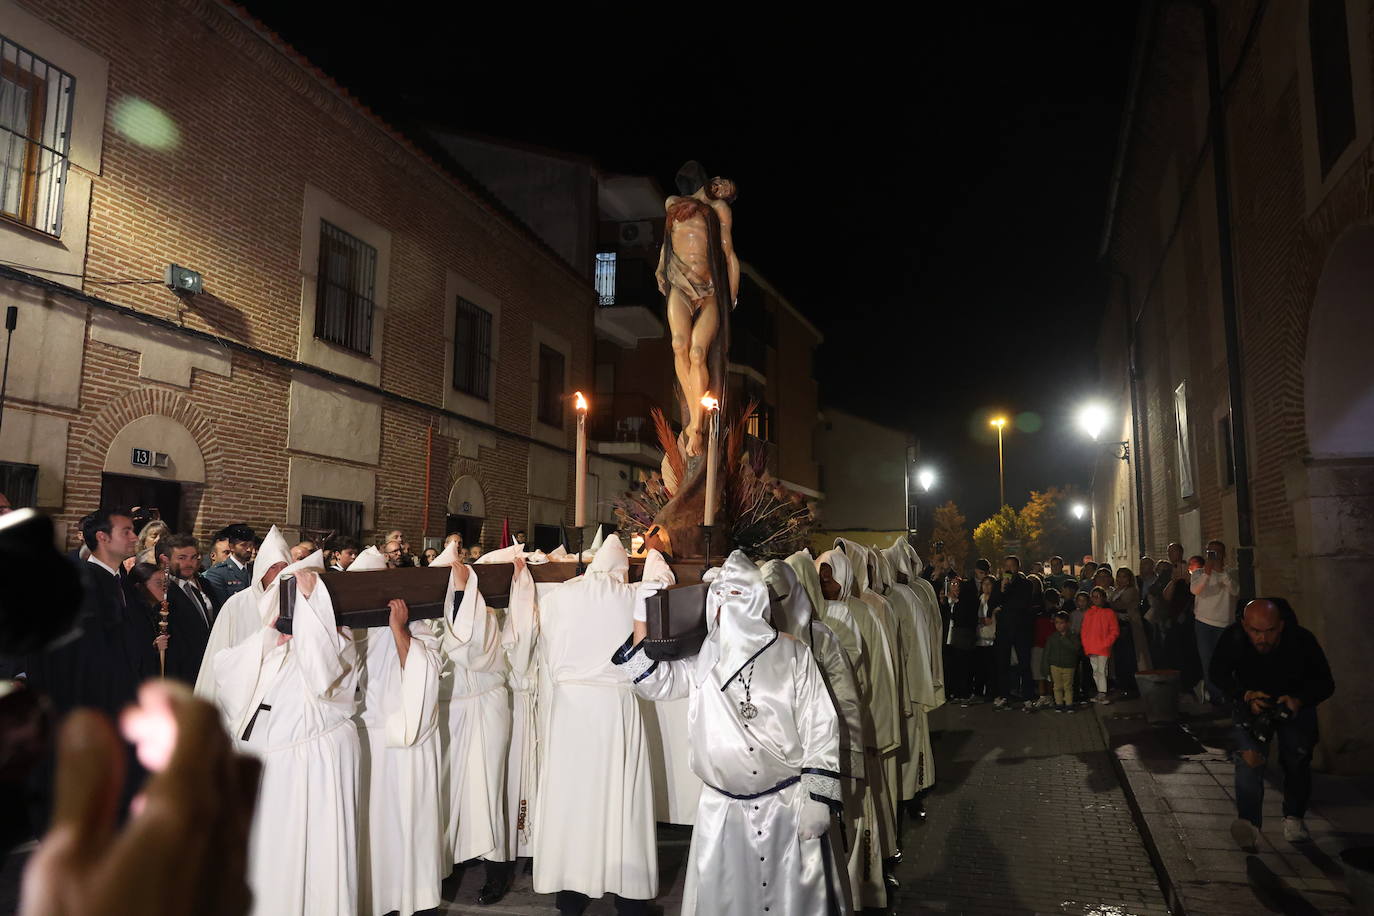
580	483
712	455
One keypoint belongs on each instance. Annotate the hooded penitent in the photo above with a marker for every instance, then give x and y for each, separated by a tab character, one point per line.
737	624
597	794
398	722
519	635
793	614
241	614
291	702
765	742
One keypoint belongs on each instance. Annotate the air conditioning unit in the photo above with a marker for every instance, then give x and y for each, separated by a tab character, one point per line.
637	234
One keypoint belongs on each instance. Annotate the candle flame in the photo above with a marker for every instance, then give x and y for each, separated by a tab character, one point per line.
579	402
709	402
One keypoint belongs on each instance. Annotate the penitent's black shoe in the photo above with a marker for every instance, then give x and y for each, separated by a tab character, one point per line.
500	877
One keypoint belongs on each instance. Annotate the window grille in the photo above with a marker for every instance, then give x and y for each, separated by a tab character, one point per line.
605	277
344	290
35	137
323	518
19	482
472	350
550	386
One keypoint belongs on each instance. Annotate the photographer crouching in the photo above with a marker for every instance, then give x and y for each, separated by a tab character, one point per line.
1274	673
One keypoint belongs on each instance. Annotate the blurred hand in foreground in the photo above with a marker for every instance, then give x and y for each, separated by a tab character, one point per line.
184	849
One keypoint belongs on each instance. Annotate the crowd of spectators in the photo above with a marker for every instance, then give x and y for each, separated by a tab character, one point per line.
1169	614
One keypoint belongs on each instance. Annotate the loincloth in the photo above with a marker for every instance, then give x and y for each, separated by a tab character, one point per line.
679	275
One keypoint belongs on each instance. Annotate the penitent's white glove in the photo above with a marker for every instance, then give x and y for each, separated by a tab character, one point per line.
814	819
642	595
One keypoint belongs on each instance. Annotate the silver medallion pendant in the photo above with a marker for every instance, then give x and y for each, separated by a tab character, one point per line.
748	710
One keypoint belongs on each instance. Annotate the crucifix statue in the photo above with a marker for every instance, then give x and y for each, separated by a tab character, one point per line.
699	273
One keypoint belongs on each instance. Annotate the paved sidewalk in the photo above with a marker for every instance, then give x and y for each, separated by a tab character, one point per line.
1180	779
1027	816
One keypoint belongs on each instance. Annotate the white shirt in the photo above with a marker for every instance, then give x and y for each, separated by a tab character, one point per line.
198	598
235	560
1215	597
92	559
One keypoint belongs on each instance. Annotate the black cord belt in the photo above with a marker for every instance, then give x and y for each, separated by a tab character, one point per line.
789	781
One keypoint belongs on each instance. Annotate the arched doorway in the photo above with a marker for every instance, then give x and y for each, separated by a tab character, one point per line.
1332	492
467	510
154	462
1339	373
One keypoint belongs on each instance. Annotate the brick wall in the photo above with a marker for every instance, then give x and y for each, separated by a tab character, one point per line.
256	126
1165	242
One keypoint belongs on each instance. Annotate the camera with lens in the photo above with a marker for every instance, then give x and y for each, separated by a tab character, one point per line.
1262	725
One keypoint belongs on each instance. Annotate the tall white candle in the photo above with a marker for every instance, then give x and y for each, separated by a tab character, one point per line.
712	455
580	484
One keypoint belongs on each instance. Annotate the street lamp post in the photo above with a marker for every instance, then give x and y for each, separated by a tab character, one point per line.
999	423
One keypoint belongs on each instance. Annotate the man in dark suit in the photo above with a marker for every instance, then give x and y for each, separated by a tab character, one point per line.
1015	631
233	575
99	666
191	609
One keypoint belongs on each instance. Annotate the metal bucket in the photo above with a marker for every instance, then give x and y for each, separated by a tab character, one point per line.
1159	693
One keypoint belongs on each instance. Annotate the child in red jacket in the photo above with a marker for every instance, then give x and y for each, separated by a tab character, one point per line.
1100	630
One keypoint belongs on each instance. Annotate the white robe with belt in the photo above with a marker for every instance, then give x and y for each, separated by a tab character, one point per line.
594	809
746	855
303	849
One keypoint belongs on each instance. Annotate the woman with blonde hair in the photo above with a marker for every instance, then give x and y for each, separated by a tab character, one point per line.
152	532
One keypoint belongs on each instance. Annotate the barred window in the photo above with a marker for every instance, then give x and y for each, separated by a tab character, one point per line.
605	277
344	290
472	350
35	137
19	482
550	386
323	519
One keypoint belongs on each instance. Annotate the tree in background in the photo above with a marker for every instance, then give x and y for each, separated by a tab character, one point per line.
991	537
950	526
1053	530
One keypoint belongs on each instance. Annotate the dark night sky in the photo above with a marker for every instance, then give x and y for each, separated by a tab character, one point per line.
930	191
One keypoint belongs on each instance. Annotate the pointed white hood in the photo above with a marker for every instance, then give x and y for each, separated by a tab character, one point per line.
840	569
504	555
611	561
272	552
268	601
899	557
804	565
737	617
599	539
857	555
794	611
885	578
369	559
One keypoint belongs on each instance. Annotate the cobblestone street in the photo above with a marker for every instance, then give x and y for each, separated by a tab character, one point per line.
1027	816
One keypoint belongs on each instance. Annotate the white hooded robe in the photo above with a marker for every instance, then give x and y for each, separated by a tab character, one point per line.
400	863
594	820
747	856
291	704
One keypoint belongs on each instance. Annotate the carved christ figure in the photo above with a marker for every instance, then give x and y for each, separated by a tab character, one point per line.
695	264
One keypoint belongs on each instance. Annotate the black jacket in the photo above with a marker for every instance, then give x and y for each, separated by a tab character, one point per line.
1016	616
1296	667
187	634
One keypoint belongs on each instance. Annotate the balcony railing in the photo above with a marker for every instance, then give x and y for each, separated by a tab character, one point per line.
628	282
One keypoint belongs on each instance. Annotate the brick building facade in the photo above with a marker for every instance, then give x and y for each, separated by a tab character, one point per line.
1291	90
184	132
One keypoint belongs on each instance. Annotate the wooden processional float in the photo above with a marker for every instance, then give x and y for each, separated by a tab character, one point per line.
676	615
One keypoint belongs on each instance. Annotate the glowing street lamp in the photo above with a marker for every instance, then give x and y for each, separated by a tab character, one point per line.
926	478
999	423
1079	510
1092	419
